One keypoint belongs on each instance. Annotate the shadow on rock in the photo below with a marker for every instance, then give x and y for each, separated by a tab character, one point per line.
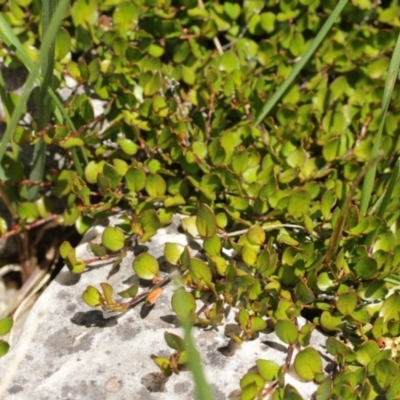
154	382
94	318
65	278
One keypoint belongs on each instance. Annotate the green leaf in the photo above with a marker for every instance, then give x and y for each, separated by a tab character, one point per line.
229	61
304	293
291	393
297	158
112	175
393	392
150	223
331	322
305	334
222	220
92	297
212	245
200	272
92	170
286	331
173	252
108	292
267	369
128	147
113	239
256	235
155	185
232	10
308	363
4	347
205	221
257	324
84	12
125	15
249	255
336	347
5	325
28	211
189	225
385	242
347	303
75	265
65	248
135	179
385	372
130	292
324	391
327	202
366	268
174	341
183	304
366	351
250	379
98	250
299	203
249	392
145	266
164	364
391	308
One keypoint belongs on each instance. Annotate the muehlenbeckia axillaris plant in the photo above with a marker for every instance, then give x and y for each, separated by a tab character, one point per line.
282	193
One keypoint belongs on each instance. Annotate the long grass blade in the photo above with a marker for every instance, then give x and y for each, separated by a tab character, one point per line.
11	40
203	390
5	98
39	152
303	61
387	94
44	49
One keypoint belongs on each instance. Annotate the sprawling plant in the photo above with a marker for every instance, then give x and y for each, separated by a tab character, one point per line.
274	136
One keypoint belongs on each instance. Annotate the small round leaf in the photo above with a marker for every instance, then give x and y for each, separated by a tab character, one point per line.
307	364
173	251
286	331
385	372
175	341
145	266
155	185
92	297
5	325
205	221
256	235
347	303
113	239
4	347
268	369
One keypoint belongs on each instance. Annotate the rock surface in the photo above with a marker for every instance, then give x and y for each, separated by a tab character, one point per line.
69	351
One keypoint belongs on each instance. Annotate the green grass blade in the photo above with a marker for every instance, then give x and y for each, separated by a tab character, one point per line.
44	49
39	152
11	40
5	98
382	204
395	175
203	390
303	61
387	94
